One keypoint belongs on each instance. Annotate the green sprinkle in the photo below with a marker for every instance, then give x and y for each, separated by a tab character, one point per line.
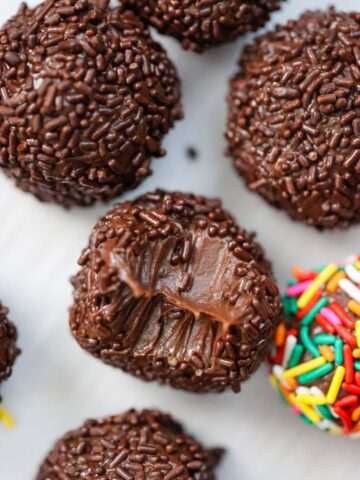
292	282
325	412
324	339
308	343
287	309
293	305
296	355
357	366
316	373
339	355
309	317
305	419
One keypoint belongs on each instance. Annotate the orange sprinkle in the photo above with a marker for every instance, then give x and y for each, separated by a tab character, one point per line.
297	272
280	335
327	352
292	383
354	307
333	283
285	392
356	353
355	416
356	428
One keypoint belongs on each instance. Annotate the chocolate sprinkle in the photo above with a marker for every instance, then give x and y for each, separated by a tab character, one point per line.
201	24
171	289
8	348
294	120
143	446
85	98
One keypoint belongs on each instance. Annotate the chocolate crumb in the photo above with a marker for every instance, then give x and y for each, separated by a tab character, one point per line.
8	348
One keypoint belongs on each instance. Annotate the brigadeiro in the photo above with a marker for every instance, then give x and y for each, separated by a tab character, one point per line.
315	361
294	118
146	445
8	348
86	96
204	24
172	289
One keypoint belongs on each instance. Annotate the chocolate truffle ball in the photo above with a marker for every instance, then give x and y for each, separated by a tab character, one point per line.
200	24
171	289
85	98
8	348
315	361
294	120
147	445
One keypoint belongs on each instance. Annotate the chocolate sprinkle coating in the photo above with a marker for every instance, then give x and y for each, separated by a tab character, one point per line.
171	289
86	96
294	118
201	24
143	446
8	348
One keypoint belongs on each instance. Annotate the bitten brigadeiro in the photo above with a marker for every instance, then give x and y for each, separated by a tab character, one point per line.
171	289
294	118
8	348
201	24
147	445
315	362
85	98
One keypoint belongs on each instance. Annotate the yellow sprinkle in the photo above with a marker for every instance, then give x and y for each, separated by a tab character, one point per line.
322	278
356	353
311	399
333	283
307	410
357	332
327	352
355	416
304	367
274	381
335	385
6	418
357	264
354	307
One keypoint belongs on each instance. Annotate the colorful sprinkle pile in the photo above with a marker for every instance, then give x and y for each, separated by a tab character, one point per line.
315	362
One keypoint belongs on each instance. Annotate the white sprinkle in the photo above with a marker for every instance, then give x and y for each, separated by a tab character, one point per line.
352	273
348	287
289	347
278	371
303	391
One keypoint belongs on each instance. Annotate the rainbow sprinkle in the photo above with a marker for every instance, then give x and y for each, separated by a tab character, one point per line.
315	361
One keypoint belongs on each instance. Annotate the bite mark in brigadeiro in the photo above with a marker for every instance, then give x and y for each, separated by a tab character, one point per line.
147	445
86	96
8	348
294	118
200	24
172	289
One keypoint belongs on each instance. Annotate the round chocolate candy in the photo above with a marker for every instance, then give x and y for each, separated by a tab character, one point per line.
171	289
315	361
8	348
86	96
294	121
146	445
200	25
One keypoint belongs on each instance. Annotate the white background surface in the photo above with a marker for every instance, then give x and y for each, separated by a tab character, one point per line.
55	385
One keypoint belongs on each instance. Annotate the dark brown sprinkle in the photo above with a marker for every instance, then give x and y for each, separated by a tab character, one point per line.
206	23
114	448
192	153
8	348
86	97
148	301
294	118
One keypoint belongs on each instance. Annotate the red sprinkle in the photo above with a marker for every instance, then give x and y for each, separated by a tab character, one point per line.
344	317
346	401
348	364
357	378
293	332
327	326
346	335
355	389
345	418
